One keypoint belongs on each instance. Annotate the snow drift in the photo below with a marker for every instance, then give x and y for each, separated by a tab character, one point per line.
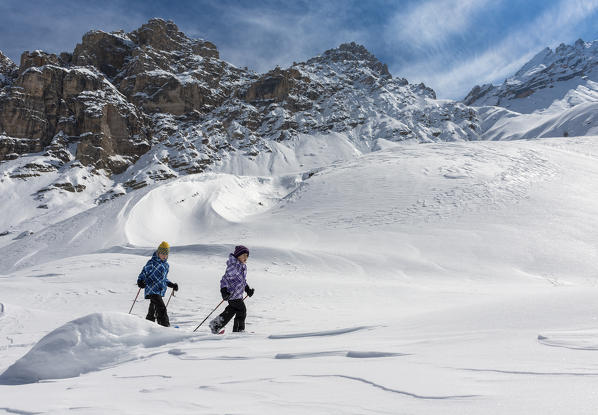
88	344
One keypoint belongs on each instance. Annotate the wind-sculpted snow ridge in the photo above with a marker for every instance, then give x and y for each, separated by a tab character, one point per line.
320	333
88	344
573	339
193	205
346	353
400	392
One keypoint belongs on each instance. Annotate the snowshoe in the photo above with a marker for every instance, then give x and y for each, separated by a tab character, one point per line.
214	326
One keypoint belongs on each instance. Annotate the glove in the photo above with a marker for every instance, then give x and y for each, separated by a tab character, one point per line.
173	285
225	293
141	283
249	291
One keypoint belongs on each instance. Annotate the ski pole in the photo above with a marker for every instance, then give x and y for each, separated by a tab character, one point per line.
204	320
171	294
135	300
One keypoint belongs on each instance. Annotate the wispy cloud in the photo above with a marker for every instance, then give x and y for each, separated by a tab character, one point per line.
501	59
431	23
58	26
264	38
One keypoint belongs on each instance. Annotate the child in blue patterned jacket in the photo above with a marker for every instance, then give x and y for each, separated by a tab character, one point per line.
153	279
232	286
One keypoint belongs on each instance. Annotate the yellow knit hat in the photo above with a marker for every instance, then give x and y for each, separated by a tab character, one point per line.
164	248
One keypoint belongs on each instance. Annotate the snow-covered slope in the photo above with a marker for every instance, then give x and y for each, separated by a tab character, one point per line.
502	124
400	186
451	277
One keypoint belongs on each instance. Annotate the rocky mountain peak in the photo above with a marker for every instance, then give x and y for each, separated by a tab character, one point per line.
526	91
155	44
165	35
351	54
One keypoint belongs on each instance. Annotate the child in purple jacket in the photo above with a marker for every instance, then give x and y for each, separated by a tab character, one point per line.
232	286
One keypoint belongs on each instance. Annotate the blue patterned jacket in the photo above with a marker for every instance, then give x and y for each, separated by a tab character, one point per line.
154	275
235	277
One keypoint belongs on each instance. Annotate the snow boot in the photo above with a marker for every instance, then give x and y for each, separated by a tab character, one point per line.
215	325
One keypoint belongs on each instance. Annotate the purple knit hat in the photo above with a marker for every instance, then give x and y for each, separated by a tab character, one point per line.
240	250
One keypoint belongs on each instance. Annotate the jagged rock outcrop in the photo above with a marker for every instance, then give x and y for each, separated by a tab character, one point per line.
8	70
547	77
78	102
160	69
274	86
165	36
105	51
37	58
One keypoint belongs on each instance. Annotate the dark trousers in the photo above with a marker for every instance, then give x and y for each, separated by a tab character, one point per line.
157	310
234	308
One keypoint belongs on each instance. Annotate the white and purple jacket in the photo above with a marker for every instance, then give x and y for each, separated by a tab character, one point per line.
235	278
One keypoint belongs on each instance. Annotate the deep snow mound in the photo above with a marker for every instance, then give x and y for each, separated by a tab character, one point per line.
181	210
87	344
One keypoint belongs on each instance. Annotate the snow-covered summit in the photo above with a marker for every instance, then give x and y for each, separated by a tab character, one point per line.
555	94
348	53
567	74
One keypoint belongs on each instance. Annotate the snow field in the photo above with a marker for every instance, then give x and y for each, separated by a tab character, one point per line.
457	278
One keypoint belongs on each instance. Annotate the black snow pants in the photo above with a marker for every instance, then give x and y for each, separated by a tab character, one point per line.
234	308
157	310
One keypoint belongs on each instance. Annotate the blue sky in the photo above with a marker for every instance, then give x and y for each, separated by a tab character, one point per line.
450	45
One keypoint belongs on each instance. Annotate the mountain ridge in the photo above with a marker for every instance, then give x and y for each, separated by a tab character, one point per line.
572	65
157	96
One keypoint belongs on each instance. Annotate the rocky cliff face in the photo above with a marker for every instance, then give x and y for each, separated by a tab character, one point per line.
550	76
47	99
153	104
